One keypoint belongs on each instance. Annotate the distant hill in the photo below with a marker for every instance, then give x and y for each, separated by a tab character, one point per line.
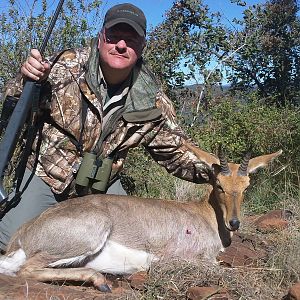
195	86
189	99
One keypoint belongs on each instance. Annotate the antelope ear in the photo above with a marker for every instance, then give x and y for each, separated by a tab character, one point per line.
262	161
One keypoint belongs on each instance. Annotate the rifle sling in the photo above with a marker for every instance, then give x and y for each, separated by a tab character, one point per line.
8	107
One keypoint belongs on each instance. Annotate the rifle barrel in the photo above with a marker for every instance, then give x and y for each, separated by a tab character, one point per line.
50	27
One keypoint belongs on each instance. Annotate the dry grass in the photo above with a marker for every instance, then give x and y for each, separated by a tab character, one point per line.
172	280
270	280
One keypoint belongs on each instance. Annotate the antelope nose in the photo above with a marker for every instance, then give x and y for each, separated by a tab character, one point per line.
234	223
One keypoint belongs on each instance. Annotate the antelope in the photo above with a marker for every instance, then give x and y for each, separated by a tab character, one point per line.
81	238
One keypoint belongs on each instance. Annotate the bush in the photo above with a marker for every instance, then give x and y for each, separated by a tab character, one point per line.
143	177
256	126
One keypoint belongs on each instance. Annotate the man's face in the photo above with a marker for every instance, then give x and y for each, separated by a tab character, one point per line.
120	47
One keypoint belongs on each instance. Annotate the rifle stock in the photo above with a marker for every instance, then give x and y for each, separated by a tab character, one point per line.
7	146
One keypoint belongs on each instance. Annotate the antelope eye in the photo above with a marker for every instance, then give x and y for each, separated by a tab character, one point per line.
220	188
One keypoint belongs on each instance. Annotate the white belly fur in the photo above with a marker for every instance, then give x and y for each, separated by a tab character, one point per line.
118	259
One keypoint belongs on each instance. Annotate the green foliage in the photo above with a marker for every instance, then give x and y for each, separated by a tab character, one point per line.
23	28
262	52
261	58
270	52
143	176
240	126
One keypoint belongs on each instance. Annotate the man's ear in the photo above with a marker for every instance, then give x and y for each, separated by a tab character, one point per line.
142	47
99	39
144	43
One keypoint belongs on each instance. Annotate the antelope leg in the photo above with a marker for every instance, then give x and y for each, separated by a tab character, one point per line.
67	274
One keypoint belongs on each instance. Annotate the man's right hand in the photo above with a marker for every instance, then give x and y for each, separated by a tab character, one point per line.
34	67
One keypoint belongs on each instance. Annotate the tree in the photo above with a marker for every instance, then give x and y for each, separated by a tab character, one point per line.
184	44
270	60
22	27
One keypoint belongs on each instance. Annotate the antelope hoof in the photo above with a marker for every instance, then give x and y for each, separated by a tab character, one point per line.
104	288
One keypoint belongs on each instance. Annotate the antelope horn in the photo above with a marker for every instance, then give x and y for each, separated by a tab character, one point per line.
242	171
223	162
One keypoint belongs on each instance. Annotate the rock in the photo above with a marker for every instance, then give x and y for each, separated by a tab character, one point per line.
241	252
118	284
294	292
275	220
138	280
211	293
271	225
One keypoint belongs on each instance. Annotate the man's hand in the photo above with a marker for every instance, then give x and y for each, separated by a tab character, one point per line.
34	67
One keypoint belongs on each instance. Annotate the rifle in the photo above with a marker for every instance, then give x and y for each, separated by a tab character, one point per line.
28	99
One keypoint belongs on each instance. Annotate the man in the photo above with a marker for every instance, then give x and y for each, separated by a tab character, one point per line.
99	101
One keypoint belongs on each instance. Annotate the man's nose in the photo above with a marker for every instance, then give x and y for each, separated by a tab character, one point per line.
121	44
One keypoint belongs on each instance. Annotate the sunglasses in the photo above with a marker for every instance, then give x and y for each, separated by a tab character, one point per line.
112	37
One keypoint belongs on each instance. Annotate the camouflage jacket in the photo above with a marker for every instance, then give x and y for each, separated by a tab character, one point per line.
147	118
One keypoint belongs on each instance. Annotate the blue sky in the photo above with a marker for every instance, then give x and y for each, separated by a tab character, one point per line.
154	9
